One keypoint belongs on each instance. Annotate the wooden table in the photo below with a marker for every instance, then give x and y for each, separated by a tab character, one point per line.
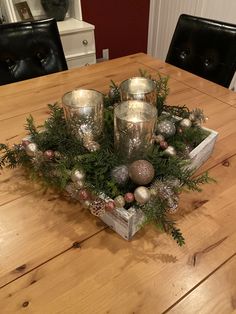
57	258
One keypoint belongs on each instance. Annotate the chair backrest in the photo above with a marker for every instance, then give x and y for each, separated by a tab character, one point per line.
30	49
204	47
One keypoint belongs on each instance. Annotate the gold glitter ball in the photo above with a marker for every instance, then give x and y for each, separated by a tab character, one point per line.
141	172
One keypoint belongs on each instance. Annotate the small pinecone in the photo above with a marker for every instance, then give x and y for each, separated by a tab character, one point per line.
97	207
173	203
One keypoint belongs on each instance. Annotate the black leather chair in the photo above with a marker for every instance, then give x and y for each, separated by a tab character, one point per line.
204	47
30	49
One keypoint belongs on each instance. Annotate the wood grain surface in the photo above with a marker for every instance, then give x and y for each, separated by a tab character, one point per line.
57	258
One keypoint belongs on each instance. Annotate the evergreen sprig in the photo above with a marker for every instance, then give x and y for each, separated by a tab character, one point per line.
155	212
162	89
13	157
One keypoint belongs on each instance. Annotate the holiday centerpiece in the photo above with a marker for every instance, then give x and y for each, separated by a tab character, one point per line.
125	156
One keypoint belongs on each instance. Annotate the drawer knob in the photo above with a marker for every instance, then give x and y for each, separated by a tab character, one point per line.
85	42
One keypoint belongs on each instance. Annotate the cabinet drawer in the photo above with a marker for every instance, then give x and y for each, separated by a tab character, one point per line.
78	42
79	61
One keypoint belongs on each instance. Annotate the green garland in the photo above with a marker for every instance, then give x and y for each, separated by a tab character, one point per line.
70	154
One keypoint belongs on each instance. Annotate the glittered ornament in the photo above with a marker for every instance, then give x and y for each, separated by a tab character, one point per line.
141	172
170	151
110	206
166	128
142	195
129	197
163	144
120	174
92	146
97	207
31	149
78	175
49	154
185	123
119	201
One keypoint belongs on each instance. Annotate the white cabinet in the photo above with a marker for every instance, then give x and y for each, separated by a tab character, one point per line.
77	36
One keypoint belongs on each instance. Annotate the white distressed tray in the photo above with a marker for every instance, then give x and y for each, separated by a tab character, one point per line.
203	151
127	222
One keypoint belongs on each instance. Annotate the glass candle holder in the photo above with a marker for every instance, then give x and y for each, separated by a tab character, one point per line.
139	88
134	126
83	110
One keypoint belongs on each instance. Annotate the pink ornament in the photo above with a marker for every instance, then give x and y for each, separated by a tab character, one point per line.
49	154
83	195
25	142
163	144
110	205
129	197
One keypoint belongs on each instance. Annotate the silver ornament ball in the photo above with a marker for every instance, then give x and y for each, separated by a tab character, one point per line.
142	195
170	151
31	149
186	123
166	128
120	174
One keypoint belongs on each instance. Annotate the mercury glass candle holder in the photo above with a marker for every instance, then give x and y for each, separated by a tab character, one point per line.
83	110
134	126
139	88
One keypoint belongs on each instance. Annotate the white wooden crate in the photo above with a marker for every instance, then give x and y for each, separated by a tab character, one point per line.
127	222
203	151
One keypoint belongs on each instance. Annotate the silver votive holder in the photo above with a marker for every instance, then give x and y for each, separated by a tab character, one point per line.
83	110
134	126
139	88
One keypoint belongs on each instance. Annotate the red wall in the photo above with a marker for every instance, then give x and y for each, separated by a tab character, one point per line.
120	25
